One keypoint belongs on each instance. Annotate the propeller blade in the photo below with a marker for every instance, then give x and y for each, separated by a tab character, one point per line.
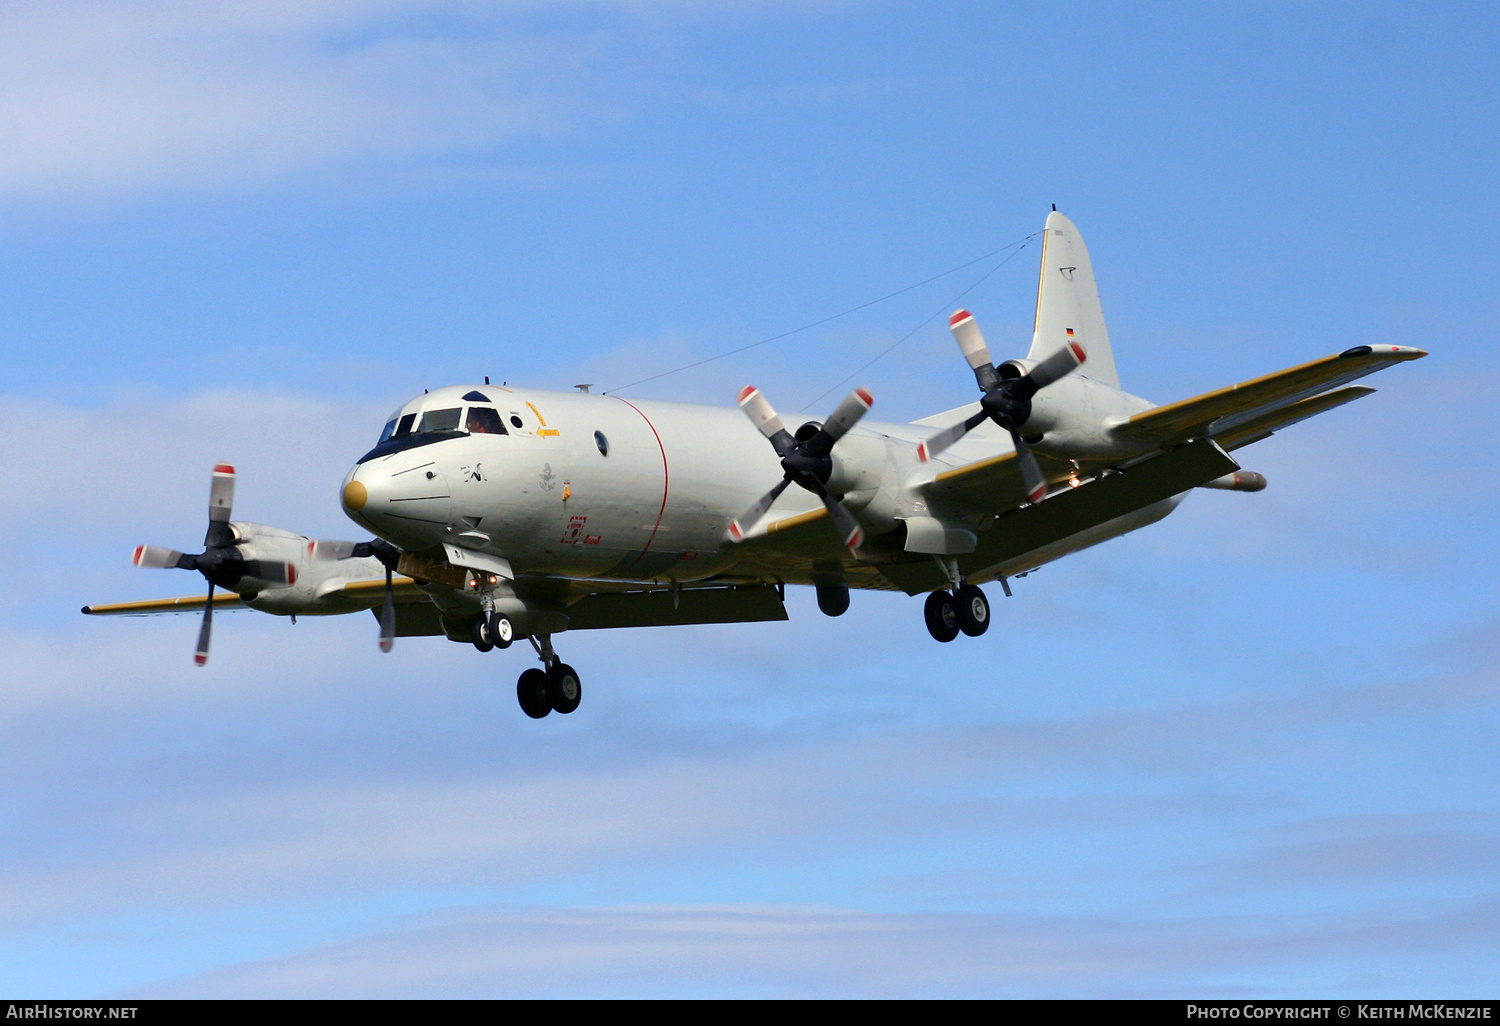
388	616
758	408
156	556
220	506
1059	364
271	571
1031	473
748	519
943	439
201	655
855	405
970	339
971	342
326	551
844	521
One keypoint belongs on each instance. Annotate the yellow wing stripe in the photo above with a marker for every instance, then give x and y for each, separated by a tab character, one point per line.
798	520
970	468
186	604
1164	423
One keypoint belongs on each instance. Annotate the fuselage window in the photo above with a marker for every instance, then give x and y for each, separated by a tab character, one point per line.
602	443
404	428
439	420
485	421
515	421
389	430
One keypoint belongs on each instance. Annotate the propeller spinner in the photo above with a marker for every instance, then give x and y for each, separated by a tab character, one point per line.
1007	396
221	563
805	458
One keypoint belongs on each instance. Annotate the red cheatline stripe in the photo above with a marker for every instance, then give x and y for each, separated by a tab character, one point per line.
958	315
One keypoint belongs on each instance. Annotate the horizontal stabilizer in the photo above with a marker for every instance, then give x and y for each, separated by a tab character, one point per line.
1216	414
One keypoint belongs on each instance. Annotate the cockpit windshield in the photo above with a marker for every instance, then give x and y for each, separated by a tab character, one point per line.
485	421
407	430
434	421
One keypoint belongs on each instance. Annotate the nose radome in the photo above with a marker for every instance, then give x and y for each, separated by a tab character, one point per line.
355	496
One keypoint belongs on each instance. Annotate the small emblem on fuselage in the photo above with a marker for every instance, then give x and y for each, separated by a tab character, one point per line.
474	473
548	480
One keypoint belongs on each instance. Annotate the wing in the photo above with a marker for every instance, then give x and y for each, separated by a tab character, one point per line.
992	484
1214	414
356	595
1019	538
186	604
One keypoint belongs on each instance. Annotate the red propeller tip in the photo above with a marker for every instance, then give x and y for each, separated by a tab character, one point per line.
856	539
746	393
291	573
223	468
959	316
922	454
200	658
1037	493
735	532
1078	351
865	397
135	557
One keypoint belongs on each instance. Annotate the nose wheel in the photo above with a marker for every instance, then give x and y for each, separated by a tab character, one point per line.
491	630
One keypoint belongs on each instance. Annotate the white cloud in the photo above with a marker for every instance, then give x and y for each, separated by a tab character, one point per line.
135	98
803	951
127	98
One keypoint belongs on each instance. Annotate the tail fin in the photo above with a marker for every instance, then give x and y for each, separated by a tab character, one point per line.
1067	303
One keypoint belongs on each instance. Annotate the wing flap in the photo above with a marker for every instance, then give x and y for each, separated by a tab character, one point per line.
1220	411
1256	428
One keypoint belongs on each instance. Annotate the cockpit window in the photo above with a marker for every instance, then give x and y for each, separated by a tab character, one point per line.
404	428
439	420
390	427
485	421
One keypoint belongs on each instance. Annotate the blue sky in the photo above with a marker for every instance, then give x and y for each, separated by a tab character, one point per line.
1247	751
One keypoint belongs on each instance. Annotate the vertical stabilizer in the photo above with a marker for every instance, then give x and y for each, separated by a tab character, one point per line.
1067	303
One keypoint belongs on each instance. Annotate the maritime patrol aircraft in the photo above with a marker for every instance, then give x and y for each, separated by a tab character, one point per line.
501	514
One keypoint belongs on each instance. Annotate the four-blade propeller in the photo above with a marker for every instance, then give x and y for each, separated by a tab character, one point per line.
805	458
1007	396
388	555
221	562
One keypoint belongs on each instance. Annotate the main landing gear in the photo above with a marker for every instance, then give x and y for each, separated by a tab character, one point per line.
949	612
555	688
